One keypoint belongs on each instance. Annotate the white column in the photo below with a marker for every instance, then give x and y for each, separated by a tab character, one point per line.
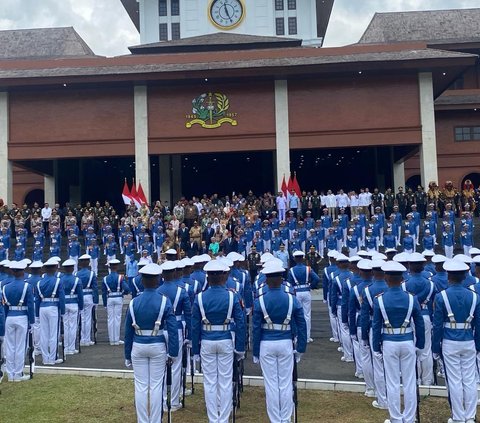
142	162
176	177
398	175
282	132
49	190
428	149
165	179
6	178
149	21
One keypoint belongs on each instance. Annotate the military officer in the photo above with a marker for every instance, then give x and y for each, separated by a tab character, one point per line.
19	312
149	316
274	314
217	314
88	278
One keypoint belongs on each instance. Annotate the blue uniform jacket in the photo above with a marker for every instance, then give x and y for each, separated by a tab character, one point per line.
276	303
366	312
13	294
112	281
244	278
75	297
146	308
460	300
47	285
420	287
84	275
327	272
347	285
135	285
300	279
336	288
355	305
396	303
440	279
215	302
183	311
2	321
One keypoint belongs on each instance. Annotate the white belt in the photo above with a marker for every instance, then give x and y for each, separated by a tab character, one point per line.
302	286
180	318
87	291
396	331
275	326
424	306
463	326
69	297
18	308
222	328
115	294
148	332
50	300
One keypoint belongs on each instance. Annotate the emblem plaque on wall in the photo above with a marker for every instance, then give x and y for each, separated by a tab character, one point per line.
210	111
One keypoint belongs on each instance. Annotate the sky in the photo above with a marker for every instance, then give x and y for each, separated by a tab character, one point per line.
108	30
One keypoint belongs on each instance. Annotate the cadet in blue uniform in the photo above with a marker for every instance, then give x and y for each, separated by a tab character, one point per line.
49	307
182	310
216	314
35	275
88	279
114	287
19	312
440	278
73	305
393	341
328	271
456	338
277	318
304	279
149	316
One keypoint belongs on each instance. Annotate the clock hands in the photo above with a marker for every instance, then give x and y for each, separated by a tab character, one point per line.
227	12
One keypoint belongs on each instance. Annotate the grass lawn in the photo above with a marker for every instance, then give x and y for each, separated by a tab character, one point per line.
65	399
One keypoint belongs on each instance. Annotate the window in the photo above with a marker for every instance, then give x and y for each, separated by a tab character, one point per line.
278	4
162	7
163	32
175	7
292	26
467	133
292	4
280	26
175	31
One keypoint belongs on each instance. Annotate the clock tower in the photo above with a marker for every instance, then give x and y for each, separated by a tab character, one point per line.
164	20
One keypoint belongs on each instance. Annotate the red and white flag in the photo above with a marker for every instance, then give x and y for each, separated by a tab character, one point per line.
127	197
295	185
134	195
284	187
141	194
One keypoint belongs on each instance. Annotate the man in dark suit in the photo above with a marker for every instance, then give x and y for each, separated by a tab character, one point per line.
192	249
229	244
207	234
183	236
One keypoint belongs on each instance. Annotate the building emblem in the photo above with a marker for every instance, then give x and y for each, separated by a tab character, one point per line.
211	111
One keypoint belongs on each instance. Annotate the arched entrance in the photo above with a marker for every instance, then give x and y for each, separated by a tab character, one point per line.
34	196
413	182
474	177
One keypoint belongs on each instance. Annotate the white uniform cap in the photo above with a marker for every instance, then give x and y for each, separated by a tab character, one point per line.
27	261
341	258
401	257
17	265
69	262
332	254
114	261
51	262
151	269
180	264
362	253
463	258
455	266
300	253
143	261
215	266
205	258
393	267
56	258
390	250
265	257
354	259
273	268
416	258
474	250
273	262
365	264
379	256
187	261
476	260
428	253
233	256
4	263
36	265
227	262
377	264
197	259
169	265
439	258
85	257
171	251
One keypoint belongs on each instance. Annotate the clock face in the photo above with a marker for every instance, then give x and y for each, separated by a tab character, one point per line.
226	14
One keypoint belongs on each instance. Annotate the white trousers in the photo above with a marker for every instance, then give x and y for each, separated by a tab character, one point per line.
333	323
466	250
114	317
305	299
16	328
352	252
75	259
366	359
425	359
276	360
94	265
400	356
148	362
36	334
378	377
217	366
459	359
70	326
345	336
49	332
356	355
448	251
176	374
86	315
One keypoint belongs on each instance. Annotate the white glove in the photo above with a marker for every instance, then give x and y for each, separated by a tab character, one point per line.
128	363
196	358
239	355
437	356
255	360
187	343
298	356
378	355
248	311
324	301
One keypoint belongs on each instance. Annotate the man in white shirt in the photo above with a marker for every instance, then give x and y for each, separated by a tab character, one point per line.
354	204
46	212
342	200
331	203
368	196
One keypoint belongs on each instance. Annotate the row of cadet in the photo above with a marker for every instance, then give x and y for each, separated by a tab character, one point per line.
417	313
